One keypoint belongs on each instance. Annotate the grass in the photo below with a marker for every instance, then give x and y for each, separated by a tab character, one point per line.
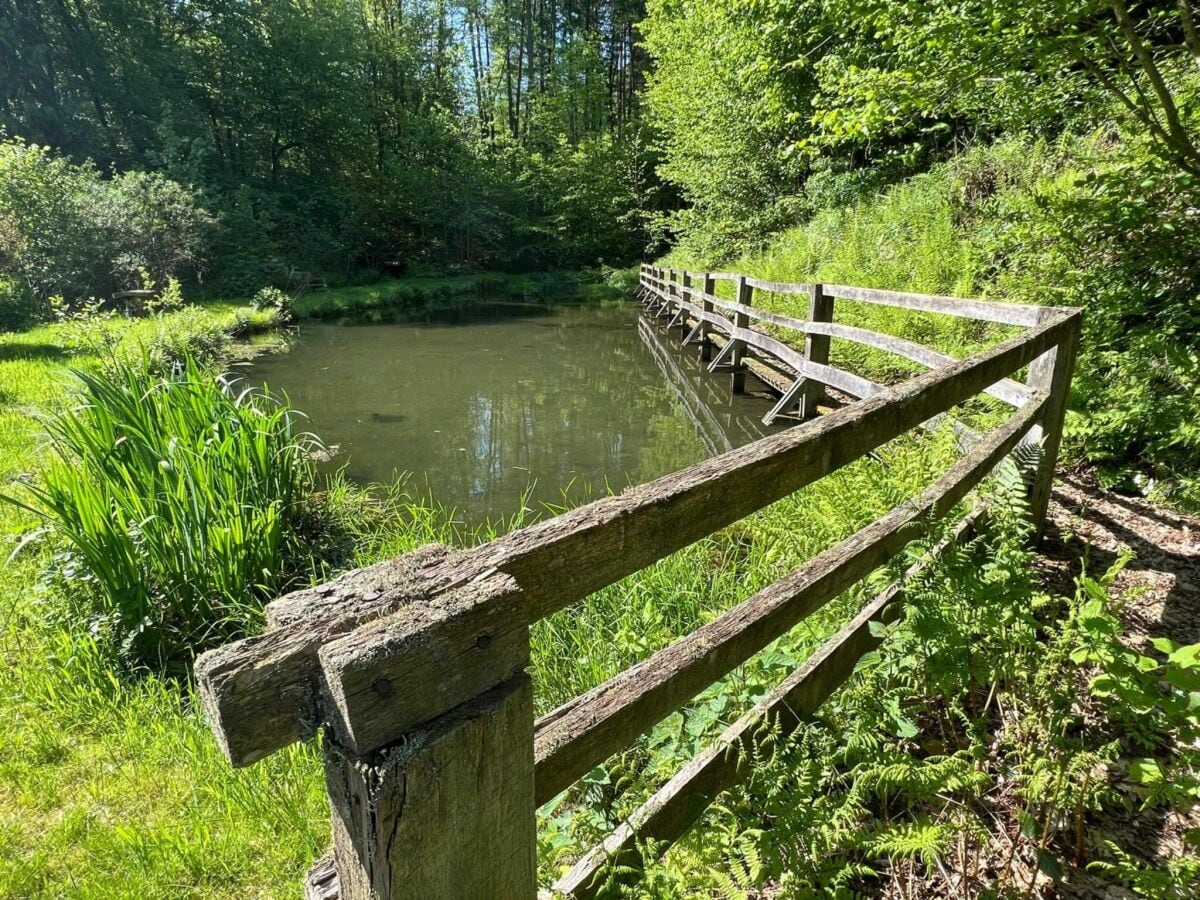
108	787
114	786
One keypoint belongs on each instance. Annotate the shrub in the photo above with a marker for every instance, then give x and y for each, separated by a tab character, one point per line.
176	504
65	230
18	308
272	298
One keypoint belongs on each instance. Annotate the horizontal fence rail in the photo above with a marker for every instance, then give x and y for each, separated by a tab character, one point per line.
415	668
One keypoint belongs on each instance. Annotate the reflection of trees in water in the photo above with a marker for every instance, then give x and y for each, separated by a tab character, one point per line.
594	418
476	414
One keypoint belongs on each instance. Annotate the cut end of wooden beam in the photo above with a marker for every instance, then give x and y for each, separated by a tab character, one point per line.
253	698
393	675
262	693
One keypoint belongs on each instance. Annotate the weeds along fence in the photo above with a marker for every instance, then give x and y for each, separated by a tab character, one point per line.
414	670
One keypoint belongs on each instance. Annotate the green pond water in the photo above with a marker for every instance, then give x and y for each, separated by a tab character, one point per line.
541	405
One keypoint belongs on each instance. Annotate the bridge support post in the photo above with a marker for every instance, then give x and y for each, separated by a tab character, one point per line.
684	295
1050	372
743	296
816	350
710	285
669	307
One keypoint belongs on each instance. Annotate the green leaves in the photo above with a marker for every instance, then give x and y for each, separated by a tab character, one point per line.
174	501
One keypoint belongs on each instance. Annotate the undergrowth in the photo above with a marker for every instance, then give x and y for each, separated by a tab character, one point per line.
1093	221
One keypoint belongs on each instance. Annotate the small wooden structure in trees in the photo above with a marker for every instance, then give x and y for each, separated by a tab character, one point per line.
414	670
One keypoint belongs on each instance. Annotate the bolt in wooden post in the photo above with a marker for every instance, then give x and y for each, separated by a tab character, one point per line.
710	286
743	296
816	350
1051	372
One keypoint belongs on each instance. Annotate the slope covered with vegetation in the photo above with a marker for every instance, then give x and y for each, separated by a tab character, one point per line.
1043	153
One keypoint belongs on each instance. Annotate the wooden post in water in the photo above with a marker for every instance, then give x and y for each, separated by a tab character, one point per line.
816	350
1051	372
740	320
710	285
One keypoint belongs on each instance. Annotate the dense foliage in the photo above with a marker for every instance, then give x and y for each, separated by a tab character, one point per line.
67	231
349	135
1087	197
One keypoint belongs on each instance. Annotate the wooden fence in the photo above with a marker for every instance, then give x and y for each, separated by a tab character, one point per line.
414	669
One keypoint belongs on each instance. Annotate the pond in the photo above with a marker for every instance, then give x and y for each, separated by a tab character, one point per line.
511	404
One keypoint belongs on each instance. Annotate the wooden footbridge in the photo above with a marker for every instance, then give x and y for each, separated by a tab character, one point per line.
413	671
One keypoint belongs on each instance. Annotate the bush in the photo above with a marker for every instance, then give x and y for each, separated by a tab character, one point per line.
176	503
272	298
65	230
18	308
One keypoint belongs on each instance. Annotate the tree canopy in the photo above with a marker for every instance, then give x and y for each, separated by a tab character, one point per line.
343	134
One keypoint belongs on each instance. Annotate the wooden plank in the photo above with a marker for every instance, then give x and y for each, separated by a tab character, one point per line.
774	318
983	310
724	354
1051	372
788	398
582	733
779	287
387	677
675	807
1011	392
264	692
447	813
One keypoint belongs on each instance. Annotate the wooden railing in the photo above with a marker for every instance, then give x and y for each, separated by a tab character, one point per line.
414	669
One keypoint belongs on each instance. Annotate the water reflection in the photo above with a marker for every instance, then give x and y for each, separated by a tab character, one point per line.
560	402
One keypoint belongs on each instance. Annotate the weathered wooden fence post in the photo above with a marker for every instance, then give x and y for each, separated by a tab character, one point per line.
1051	372
743	295
430	765
710	285
687	283
816	350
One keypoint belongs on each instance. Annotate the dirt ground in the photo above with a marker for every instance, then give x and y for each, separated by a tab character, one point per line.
1091	527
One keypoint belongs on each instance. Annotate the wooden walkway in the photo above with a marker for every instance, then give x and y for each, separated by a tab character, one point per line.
414	670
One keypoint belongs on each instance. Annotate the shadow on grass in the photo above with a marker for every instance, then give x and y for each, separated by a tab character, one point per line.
32	352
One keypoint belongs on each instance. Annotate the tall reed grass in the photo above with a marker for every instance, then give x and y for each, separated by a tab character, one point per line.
175	501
